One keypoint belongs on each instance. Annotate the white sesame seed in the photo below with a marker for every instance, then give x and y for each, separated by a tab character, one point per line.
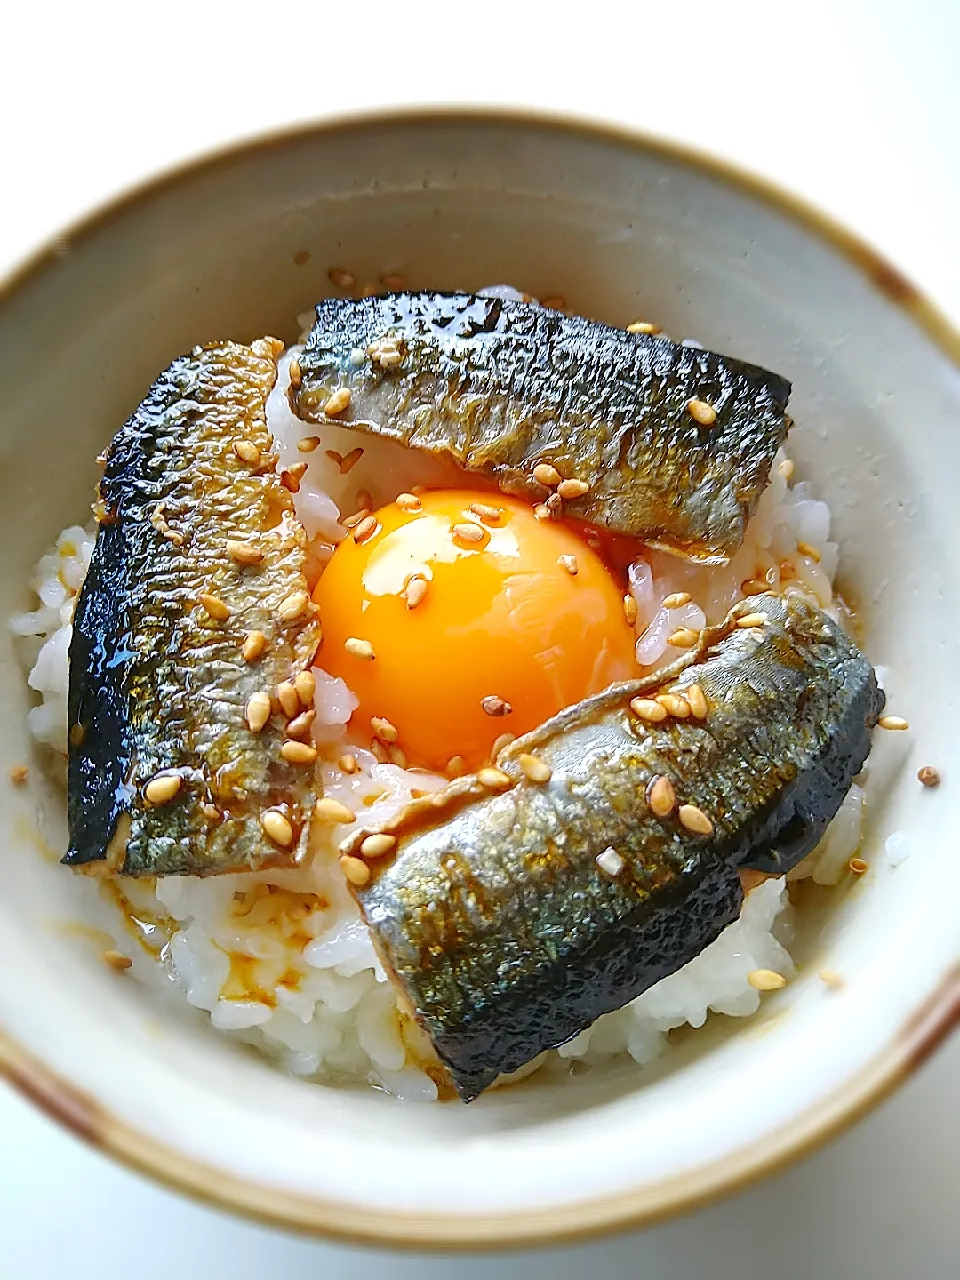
253	646
766	980
648	709
215	607
163	788
752	620
468	532
308	444
570	564
677	600
247	451
536	770
704	414
546	474
359	648
384	729
893	722
300	753
570	490
414	591
408	502
299	726
288	697
493	779
337	403
661	796
697	701
305	683
830	978
494	706
356	871
293	607
243	552
694	820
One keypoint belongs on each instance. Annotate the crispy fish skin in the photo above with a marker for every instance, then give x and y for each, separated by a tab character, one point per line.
500	386
157	684
505	935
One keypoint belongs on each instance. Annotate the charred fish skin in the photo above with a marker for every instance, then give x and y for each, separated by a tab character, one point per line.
506	934
198	545
500	386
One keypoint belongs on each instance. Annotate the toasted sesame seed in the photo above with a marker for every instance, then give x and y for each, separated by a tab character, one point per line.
683	638
295	372
546	474
494	706
455	766
298	752
697	701
893	722
677	600
570	490
674	704
348	763
695	820
408	502
356	871
831	978
534	768
211	813
554	505
293	606
342	279
277	827
747	620
648	709
661	796
376	846
365	530
258	711
786	469
858	866
305	683
308	444
929	776
468	532
542	512
254	643
570	564
290	477
643	326
18	774
753	587
337	403
350	460
288	697
610	861
162	788
493	779
766	980
554	302
486	514
384	729
351	522
499	743
243	552
215	607
414	591
359	648
329	810
299	726
117	960
630	610
704	414
247	451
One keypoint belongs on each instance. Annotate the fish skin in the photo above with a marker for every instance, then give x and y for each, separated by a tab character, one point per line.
155	683
500	386
504	934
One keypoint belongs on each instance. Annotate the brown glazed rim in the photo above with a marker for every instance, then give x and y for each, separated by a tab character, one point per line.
910	1045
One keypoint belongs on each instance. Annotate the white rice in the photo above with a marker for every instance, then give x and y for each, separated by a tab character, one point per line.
281	960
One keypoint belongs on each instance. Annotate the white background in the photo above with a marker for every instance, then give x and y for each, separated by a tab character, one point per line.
856	106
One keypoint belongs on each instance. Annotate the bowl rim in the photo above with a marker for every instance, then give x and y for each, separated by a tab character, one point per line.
936	1014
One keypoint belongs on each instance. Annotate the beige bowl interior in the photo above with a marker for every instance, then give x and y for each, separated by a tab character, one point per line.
622	229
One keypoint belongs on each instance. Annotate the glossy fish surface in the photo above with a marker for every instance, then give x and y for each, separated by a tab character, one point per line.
198	548
503	387
515	912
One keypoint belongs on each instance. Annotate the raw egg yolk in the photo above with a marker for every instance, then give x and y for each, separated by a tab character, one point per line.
481	620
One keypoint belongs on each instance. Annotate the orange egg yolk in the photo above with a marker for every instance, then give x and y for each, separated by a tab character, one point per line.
477	626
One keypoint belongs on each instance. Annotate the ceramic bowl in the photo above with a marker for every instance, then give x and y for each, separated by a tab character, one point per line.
236	246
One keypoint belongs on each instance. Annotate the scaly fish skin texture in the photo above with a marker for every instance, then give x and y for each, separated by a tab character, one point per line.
158	685
505	934
499	387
